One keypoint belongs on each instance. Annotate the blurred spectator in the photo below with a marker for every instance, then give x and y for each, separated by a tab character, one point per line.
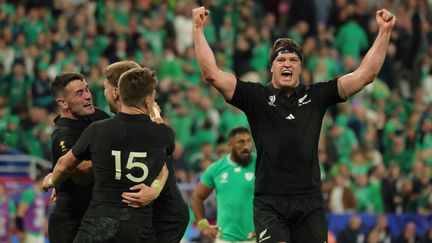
231	117
7	215
342	199
390	186
425	202
20	88
351	38
41	92
428	236
14	135
381	231
363	193
398	154
353	232
343	141
405	199
409	234
31	218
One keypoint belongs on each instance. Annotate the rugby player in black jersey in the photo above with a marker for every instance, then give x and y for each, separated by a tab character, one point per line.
285	117
170	212
76	110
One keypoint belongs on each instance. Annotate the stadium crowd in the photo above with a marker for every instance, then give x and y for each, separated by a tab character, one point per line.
375	150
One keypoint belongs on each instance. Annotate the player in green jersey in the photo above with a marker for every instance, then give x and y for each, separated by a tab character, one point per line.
233	178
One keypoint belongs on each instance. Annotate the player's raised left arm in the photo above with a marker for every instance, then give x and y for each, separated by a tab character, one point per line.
371	64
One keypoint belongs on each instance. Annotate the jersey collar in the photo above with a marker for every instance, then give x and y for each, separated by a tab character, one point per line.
80	124
275	91
232	163
135	117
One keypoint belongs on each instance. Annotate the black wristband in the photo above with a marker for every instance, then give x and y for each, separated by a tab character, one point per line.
19	223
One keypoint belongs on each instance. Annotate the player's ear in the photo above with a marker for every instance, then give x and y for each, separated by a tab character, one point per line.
62	103
148	103
116	93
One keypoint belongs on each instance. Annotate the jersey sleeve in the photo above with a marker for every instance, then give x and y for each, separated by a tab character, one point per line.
171	142
81	149
61	144
243	96
99	115
208	176
328	93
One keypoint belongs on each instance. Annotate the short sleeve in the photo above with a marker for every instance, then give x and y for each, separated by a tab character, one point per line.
61	144
81	149
171	141
244	95
327	93
208	176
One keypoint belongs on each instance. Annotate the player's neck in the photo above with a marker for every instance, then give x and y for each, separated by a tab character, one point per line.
133	110
68	115
118	105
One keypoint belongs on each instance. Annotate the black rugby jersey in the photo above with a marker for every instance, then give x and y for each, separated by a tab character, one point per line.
72	199
286	132
125	150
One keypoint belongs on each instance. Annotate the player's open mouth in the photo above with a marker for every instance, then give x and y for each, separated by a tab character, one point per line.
88	105
287	74
245	153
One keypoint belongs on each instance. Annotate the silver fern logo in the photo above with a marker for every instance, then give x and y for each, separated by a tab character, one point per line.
262	236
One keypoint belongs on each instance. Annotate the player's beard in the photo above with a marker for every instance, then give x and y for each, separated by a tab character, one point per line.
243	161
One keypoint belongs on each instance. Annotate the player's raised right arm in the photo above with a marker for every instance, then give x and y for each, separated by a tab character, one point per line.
224	82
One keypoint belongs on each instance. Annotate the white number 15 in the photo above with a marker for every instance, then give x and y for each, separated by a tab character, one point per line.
130	164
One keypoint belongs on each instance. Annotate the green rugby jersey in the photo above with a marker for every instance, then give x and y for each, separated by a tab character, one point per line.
234	187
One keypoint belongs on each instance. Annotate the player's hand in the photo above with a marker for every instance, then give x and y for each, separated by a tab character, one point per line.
212	231
155	113
53	196
251	235
385	19
144	196
199	17
47	183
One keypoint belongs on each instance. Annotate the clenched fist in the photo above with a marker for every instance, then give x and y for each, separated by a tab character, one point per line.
199	17
385	19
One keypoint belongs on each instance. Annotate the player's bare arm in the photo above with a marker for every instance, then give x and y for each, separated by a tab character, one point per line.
350	84
224	82
64	167
146	194
82	174
200	193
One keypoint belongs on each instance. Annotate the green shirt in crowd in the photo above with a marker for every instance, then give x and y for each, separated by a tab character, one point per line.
351	39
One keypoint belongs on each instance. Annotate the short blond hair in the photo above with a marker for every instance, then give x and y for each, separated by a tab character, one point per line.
113	72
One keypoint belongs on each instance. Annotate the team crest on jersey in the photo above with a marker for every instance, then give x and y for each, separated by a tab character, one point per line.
272	100
249	176
224	177
62	146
